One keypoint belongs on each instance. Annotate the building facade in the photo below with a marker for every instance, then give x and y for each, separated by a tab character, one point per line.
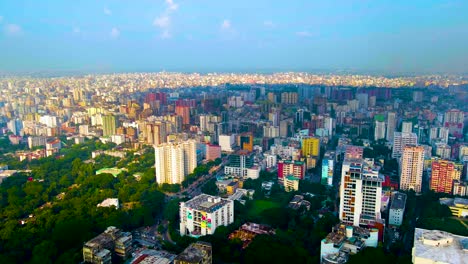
174	161
411	168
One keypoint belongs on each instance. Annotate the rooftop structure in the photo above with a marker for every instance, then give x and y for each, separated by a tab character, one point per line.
248	231
434	246
458	206
197	253
114	171
109	202
297	202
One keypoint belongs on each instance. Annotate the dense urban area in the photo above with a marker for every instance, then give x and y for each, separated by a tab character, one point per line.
234	168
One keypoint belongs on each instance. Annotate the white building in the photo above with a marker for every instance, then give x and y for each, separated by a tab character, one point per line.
391	123
443	150
434	246
407	127
174	161
411	168
110	202
201	215
271	131
379	131
397	209
360	192
400	140
227	142
36	141
270	160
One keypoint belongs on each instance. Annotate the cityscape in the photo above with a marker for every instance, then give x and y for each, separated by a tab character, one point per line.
199	167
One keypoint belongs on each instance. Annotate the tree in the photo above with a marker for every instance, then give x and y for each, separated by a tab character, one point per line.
210	187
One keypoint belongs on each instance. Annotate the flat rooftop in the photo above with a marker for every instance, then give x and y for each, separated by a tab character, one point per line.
206	203
398	201
453	249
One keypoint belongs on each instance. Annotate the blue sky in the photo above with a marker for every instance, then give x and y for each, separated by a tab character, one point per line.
241	35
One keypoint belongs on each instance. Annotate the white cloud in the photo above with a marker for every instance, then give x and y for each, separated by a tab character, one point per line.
171	5
226	24
304	34
268	23
163	21
115	33
13	29
107	11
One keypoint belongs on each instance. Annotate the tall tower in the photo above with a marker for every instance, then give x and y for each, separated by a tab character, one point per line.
411	169
109	125
360	192
379	132
400	140
443	175
174	161
391	122
156	133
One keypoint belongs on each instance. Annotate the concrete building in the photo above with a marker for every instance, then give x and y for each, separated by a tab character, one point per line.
458	206
397	209
310	147
291	183
444	173
360	192
99	250
227	142
213	152
344	240
379	130
407	127
156	133
411	168
460	188
400	140
443	150
289	167
271	131
391	124
197	253
242	164
174	161
36	141
434	246
109	125
454	120
328	167
201	215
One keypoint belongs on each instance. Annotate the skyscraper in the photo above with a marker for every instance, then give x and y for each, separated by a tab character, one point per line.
454	121
109	125
360	192
174	161
442	176
156	133
411	168
400	140
391	122
407	127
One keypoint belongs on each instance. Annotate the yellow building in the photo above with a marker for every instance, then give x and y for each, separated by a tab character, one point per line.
291	183
458	206
311	147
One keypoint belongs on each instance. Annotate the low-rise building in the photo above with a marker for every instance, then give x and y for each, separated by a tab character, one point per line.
434	246
397	209
201	215
99	249
197	253
458	206
298	202
291	183
345	240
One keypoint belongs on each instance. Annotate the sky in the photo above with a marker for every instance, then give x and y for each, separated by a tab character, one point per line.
417	36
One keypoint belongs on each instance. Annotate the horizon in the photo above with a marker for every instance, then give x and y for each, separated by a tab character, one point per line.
388	37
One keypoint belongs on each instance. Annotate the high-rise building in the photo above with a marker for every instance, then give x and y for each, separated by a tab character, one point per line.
379	131
227	142
213	152
354	152
174	161
411	168
400	140
245	141
328	166
443	175
417	96
454	121
156	133
360	192
289	98
201	215
363	100
407	127
242	164
391	123
184	112
311	147
109	125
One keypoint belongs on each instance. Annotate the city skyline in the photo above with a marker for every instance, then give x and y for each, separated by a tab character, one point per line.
385	37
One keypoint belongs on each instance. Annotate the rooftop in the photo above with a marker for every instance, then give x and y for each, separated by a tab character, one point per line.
207	203
194	253
439	246
398	201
